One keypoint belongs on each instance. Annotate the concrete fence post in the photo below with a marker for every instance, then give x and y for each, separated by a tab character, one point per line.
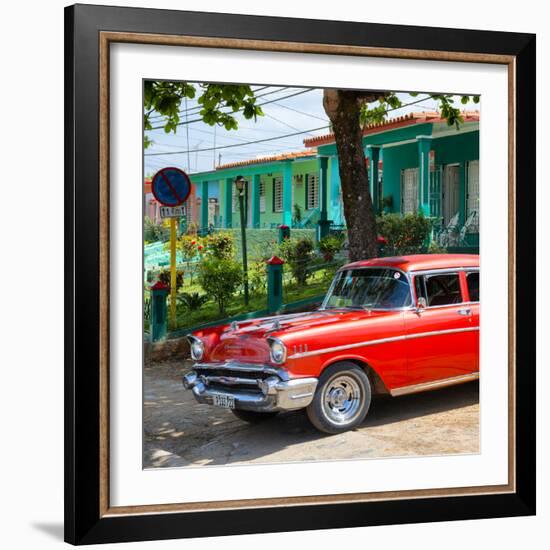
284	232
159	311
274	284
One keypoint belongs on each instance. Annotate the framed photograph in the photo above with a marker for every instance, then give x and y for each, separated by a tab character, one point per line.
300	274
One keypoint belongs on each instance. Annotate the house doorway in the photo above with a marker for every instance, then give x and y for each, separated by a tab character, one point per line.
409	191
450	196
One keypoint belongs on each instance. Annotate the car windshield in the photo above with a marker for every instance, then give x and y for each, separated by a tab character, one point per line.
368	288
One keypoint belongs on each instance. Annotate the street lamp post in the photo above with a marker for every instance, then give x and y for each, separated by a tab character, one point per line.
240	184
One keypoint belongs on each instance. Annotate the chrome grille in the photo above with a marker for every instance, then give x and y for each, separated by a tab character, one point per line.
237	376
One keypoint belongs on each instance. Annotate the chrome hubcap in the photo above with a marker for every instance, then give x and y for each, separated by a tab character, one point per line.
342	399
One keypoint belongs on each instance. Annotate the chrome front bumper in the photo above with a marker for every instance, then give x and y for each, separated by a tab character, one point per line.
254	387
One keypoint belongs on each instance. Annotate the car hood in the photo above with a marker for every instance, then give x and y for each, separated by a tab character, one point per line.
247	341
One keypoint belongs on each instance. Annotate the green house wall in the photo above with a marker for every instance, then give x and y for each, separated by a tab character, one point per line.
268	172
460	148
451	149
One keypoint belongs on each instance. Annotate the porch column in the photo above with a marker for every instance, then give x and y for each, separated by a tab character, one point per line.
204	205
373	152
462	201
424	143
228	202
324	222
335	202
287	193
255	196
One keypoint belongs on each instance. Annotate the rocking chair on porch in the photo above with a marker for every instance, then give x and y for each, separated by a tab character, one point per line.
449	235
471	222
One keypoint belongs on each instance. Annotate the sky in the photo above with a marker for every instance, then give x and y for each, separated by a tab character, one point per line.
287	110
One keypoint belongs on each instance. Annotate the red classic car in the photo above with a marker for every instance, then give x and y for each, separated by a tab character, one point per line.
387	325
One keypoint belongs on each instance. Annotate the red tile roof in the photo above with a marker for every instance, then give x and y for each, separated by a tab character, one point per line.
393	123
273	158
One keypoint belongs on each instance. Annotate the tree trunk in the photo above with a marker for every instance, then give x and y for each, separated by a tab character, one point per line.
343	107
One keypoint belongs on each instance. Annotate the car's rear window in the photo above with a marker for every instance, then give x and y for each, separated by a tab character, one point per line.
439	289
472	278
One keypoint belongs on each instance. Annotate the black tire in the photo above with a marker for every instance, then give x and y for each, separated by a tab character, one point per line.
253	417
337	413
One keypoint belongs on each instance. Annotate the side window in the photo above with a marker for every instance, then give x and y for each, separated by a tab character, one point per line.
442	289
472	279
420	287
277	195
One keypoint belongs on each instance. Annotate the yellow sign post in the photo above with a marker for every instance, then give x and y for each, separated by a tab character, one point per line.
171	188
173	273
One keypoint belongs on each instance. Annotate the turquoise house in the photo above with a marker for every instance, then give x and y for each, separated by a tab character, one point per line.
415	163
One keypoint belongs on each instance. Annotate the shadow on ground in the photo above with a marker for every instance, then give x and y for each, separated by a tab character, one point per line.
180	432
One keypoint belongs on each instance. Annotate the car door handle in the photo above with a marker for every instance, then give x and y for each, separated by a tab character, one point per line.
464	311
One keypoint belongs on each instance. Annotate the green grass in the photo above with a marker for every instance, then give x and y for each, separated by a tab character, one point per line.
316	285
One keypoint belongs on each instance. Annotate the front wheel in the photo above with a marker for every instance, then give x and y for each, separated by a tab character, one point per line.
342	398
253	417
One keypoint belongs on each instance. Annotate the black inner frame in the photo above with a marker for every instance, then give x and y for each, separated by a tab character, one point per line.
83	524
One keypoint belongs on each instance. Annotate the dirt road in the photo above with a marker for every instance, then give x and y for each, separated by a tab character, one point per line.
181	432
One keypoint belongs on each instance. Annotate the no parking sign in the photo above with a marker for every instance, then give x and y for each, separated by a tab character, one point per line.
171	186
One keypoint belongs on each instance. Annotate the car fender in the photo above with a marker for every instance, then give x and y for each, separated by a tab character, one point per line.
362	361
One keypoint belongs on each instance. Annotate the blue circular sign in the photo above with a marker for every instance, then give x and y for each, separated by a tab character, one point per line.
171	186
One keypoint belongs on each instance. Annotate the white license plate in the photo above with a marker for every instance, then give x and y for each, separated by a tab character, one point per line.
224	401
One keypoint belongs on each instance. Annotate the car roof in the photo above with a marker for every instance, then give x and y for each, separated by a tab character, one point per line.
420	262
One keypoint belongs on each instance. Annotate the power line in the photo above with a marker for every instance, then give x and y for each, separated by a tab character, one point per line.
259	105
277	137
195	109
281	122
244	141
241	144
300	112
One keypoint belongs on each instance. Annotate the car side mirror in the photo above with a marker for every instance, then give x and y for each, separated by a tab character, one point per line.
421	304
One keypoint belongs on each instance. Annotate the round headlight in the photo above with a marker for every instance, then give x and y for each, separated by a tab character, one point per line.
197	349
278	351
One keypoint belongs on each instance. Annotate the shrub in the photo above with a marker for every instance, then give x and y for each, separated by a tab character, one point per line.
192	228
297	253
193	301
153	232
436	248
220	245
329	246
220	279
404	233
188	246
257	276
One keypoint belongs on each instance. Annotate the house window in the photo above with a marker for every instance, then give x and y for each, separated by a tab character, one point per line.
312	191
277	195
472	198
234	199
409	191
262	196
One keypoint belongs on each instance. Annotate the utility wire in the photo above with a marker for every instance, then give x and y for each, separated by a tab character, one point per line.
300	112
259	105
195	109
192	129
277	137
241	144
281	122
